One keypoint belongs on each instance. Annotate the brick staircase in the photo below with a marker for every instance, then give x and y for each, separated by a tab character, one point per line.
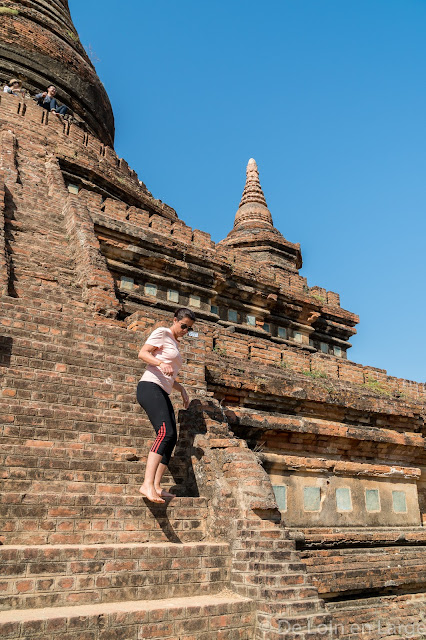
84	556
267	568
41	261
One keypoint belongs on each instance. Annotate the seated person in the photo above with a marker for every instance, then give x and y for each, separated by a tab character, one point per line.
48	101
14	87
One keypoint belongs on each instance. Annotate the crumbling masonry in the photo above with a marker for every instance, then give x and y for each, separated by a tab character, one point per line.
300	474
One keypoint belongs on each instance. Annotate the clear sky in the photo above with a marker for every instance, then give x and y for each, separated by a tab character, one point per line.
329	97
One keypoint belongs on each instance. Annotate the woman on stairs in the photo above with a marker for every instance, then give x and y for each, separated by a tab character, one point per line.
161	353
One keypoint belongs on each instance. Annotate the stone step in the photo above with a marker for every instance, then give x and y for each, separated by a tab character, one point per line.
34	354
62	323
293	605
28	305
69	426
251	557
257	524
118	465
30	262
64	491
289	582
82	494
282	596
46	337
305	619
23	479
310	634
266	546
266	536
33	453
59	575
89	370
271	568
87	519
204	617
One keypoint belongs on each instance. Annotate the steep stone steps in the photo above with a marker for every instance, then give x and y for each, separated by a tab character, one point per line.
68	425
23	465
33	454
213	617
29	225
31	264
57	518
55	393
80	451
267	568
42	260
73	455
60	575
83	345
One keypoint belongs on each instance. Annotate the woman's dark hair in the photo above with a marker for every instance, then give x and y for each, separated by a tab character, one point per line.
182	313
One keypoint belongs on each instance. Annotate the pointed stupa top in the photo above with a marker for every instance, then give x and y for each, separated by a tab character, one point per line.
253	211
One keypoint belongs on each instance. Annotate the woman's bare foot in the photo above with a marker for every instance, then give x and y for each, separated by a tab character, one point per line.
164	494
151	494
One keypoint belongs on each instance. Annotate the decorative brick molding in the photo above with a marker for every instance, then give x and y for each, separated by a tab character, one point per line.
4	258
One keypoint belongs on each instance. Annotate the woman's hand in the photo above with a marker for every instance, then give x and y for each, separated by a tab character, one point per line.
147	355
167	369
185	397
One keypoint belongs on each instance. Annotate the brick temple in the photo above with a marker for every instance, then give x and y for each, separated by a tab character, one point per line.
300	474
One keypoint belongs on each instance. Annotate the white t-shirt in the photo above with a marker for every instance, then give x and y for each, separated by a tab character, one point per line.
168	352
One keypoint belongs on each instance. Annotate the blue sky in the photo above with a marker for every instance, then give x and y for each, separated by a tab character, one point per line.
328	96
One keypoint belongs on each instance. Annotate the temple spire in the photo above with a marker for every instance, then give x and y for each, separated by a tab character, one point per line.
254	233
253	211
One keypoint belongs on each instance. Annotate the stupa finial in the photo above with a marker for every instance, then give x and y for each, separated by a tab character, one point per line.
253	210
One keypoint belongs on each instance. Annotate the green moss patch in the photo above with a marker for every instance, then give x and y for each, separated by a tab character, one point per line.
9	11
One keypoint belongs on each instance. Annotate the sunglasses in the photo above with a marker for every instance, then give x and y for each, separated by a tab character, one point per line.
185	326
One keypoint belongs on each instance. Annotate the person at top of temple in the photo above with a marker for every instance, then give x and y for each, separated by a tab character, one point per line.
161	353
47	100
14	87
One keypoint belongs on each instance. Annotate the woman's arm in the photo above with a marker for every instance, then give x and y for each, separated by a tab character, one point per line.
183	393
146	354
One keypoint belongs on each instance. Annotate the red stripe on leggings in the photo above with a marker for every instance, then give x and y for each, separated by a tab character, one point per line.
159	439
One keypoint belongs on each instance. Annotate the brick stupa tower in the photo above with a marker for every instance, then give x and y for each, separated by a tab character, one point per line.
300	475
40	46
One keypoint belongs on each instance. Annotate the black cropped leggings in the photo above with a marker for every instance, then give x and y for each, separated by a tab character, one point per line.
159	408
